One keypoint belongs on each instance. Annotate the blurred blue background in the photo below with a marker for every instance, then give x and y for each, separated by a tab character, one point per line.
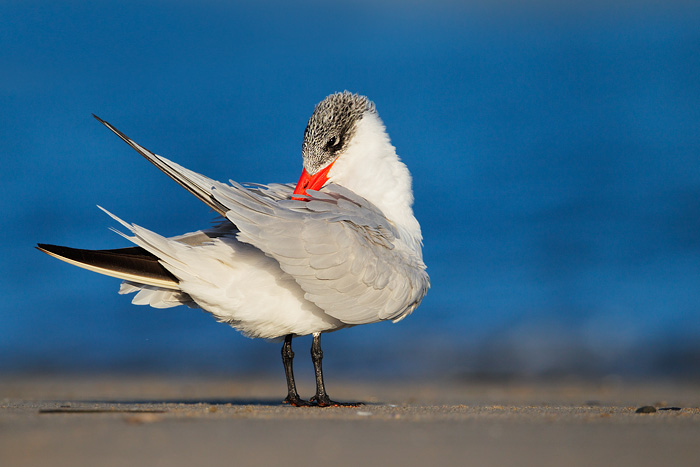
554	149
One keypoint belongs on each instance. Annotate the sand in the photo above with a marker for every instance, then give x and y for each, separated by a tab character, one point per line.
214	421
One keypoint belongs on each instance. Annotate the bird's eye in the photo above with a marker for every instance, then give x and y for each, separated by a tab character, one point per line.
333	143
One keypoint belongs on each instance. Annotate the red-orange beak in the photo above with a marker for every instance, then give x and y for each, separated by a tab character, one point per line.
311	182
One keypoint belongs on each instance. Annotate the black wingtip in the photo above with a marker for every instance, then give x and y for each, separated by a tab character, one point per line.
99	119
168	170
134	261
43	247
53	249
111	128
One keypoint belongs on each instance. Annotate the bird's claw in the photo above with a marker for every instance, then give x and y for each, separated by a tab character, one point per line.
296	401
325	401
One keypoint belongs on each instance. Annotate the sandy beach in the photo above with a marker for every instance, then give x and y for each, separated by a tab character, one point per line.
215	421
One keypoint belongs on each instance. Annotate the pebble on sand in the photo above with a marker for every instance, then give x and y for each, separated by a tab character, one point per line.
646	409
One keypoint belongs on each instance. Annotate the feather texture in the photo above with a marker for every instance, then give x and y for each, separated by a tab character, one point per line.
345	255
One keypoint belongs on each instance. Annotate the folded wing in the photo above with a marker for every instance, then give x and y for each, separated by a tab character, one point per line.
339	248
347	257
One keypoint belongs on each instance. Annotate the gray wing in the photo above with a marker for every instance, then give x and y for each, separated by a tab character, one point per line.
198	184
348	258
339	248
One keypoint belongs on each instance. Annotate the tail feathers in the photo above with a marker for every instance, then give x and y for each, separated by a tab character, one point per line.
157	297
132	264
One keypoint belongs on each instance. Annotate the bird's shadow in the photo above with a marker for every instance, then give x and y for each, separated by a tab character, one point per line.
204	401
149	405
153	405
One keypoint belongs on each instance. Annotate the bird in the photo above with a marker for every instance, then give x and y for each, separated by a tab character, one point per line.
339	248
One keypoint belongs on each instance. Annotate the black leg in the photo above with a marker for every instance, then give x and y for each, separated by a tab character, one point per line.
321	398
287	357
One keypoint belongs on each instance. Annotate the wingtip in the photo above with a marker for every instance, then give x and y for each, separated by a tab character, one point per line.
50	250
139	266
100	120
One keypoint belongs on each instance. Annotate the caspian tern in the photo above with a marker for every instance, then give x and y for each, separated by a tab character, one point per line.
340	248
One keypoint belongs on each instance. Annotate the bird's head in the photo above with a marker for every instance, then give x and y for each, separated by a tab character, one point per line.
346	143
328	134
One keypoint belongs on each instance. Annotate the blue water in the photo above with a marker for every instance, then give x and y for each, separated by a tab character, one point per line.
555	152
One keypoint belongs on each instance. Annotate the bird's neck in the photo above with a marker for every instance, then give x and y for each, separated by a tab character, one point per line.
371	168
